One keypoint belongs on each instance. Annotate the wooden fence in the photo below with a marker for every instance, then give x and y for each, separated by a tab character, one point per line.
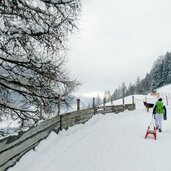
13	147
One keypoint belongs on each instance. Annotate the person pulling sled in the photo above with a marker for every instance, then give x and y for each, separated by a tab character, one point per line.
159	113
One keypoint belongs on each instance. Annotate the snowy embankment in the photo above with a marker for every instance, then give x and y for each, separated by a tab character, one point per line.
111	142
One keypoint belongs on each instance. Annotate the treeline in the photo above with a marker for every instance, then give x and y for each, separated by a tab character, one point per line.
159	75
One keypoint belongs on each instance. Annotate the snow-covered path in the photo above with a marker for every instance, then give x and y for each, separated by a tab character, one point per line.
111	142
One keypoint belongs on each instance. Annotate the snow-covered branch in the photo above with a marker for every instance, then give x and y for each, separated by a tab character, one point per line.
32	55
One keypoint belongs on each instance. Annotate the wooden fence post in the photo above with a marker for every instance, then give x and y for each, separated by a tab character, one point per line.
132	99
93	102
59	104
78	104
104	102
123	101
166	100
111	101
145	99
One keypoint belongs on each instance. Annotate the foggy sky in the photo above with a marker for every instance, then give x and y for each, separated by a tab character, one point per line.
118	41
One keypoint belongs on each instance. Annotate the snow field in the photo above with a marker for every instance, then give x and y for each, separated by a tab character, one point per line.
111	142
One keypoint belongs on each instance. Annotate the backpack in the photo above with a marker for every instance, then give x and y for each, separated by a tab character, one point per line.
159	107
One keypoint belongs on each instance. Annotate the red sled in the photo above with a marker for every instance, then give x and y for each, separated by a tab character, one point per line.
153	132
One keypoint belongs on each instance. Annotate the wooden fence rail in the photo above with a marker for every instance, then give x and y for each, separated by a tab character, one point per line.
13	147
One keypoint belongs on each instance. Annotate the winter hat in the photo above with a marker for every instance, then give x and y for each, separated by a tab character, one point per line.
160	99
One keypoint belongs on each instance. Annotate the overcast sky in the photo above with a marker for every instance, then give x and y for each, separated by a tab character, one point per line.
118	40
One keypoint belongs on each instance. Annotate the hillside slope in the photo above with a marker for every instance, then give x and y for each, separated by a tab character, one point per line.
111	142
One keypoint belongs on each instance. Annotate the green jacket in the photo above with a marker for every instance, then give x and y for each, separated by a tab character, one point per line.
159	107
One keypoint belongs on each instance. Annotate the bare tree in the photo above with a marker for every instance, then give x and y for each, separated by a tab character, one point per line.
32	56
